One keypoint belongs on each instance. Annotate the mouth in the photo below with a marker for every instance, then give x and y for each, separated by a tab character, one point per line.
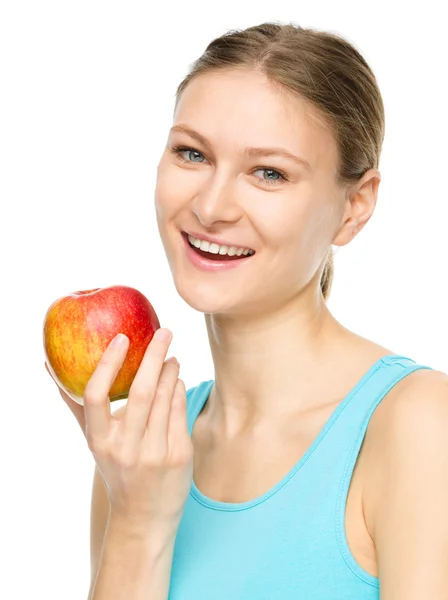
212	261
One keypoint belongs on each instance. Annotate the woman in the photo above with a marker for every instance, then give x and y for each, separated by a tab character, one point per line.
319	456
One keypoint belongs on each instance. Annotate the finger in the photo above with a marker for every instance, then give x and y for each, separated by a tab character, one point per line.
96	393
178	423
156	434
144	386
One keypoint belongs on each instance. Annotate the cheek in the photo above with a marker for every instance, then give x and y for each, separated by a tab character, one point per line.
296	229
284	221
167	197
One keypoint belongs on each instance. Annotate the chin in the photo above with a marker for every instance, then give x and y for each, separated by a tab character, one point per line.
203	297
207	298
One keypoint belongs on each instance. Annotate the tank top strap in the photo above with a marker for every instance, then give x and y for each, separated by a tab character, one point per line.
345	431
347	441
196	398
361	404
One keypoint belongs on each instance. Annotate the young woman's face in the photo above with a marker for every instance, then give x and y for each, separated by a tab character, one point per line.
286	211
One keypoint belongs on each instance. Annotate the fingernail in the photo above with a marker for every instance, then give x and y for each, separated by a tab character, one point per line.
119	340
163	334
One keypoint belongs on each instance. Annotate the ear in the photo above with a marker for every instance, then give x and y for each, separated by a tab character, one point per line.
359	206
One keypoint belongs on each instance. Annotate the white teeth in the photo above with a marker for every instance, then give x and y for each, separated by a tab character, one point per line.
217	249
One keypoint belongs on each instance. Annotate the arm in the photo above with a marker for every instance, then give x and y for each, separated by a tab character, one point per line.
146	461
118	538
135	563
408	488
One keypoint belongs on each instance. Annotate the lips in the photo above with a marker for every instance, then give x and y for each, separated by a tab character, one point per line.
206	261
211	255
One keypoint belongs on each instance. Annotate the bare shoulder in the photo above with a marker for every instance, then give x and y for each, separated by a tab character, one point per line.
423	391
407	416
405	486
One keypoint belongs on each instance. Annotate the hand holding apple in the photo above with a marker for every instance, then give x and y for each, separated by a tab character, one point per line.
78	328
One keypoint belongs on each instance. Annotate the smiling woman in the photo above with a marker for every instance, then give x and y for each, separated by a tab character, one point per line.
303	440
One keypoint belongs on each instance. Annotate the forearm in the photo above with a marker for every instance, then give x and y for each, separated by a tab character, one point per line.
134	564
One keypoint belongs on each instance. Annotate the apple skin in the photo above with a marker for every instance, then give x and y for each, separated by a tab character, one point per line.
78	328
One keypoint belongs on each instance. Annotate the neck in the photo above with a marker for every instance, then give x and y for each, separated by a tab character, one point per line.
271	366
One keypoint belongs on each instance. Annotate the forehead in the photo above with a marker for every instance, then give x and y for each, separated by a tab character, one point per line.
238	108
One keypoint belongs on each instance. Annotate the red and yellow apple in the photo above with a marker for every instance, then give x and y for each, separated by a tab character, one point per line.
78	328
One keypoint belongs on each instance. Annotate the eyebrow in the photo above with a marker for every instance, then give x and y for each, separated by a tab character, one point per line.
257	152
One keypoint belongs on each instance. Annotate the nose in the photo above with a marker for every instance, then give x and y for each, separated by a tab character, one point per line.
216	202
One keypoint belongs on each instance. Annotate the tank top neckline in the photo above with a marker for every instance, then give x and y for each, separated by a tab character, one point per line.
235	506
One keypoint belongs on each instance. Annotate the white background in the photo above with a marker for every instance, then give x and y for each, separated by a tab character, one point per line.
87	96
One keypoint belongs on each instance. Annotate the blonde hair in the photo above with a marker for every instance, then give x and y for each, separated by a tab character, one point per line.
324	69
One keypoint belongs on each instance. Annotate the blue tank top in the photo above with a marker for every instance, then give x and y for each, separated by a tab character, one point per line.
289	543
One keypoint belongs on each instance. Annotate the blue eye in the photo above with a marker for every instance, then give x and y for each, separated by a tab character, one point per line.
271	181
178	150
